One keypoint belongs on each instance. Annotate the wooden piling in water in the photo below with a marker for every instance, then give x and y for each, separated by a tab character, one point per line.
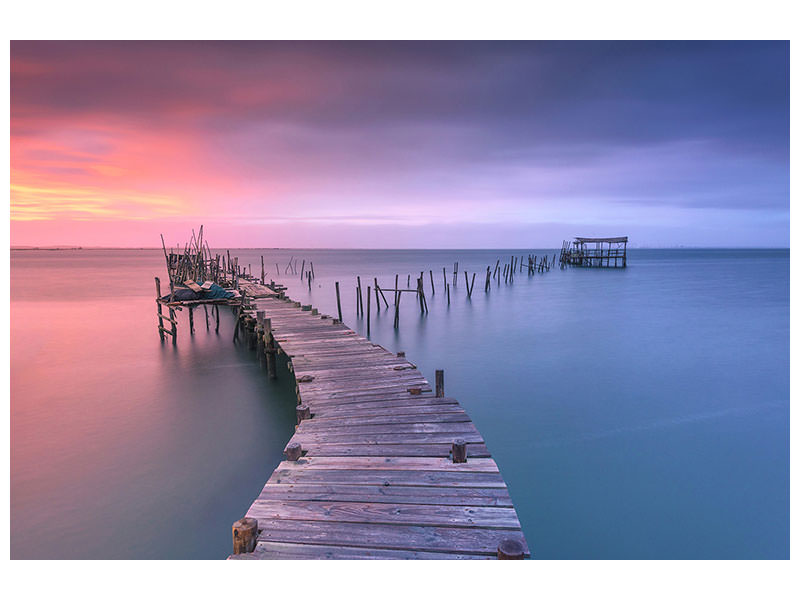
270	349
369	304
359	298
377	287
440	383
433	288
338	302
160	314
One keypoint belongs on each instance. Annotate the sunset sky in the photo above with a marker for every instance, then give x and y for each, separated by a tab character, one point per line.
385	144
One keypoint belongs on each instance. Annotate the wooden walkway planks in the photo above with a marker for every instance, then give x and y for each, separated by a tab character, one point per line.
376	478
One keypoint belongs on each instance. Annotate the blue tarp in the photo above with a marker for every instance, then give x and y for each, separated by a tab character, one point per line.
215	292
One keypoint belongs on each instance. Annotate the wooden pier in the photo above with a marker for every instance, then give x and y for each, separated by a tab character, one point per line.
381	465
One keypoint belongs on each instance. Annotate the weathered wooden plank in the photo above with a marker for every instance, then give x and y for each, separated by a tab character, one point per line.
436	450
303	437
391	537
457	427
399	478
388	494
332	423
284	551
395	463
489	517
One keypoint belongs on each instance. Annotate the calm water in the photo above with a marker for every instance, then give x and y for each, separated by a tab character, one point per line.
638	413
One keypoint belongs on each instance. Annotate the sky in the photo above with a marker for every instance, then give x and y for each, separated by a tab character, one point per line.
399	144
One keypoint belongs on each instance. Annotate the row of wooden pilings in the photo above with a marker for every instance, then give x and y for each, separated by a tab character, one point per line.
533	265
259	337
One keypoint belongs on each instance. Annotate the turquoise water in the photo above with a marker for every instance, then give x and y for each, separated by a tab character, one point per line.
637	413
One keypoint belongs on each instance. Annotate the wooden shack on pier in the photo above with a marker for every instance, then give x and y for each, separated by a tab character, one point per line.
595	252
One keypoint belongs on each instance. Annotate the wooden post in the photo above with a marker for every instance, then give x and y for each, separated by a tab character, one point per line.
191	320
440	383
369	304
293	451
302	269
433	287
312	270
444	277
359	298
459	451
303	412
245	535
158	305
448	294
269	342
396	287
510	549
262	269
397	309
174	320
216	314
205	310
338	302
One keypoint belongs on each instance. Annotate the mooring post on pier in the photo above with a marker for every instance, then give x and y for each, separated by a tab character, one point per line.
303	412
293	451
245	535
440	383
459	451
510	549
